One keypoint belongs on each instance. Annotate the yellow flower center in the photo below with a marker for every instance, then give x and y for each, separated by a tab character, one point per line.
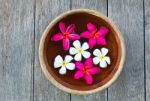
80	50
102	57
64	63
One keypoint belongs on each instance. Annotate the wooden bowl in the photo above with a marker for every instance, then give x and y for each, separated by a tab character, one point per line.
48	50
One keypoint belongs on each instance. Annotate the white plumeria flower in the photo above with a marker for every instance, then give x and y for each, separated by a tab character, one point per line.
79	50
64	64
101	57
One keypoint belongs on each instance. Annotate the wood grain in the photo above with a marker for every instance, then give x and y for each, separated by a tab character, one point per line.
46	10
147	46
16	50
99	5
128	14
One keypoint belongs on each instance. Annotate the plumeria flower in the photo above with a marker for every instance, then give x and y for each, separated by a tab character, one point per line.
101	57
86	70
94	35
64	64
79	50
66	35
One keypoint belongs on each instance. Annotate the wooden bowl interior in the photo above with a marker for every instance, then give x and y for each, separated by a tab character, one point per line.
52	49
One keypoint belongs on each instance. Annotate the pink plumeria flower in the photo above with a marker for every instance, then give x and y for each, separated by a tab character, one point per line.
86	70
94	35
66	35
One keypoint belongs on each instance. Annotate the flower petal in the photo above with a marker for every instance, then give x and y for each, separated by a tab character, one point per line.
101	41
70	66
72	51
78	75
96	60
89	79
70	29
94	70
78	57
103	31
66	44
103	64
85	46
62	27
74	36
79	65
91	27
86	54
97	52
107	59
57	61
77	44
62	71
89	62
68	58
92	42
104	51
86	34
57	37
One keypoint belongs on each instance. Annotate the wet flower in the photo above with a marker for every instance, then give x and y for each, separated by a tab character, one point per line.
64	64
86	70
66	35
101	57
79	50
95	36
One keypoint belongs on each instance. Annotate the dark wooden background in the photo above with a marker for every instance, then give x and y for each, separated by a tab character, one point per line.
22	23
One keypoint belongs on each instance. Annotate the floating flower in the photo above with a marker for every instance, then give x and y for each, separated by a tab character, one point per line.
66	35
86	70
94	35
79	50
101	57
64	64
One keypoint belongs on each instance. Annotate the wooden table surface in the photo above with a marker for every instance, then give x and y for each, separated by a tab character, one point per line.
22	23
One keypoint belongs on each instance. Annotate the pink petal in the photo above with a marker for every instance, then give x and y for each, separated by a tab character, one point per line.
101	41
70	29
74	36
89	79
86	34
89	62
79	65
66	44
78	75
103	31
62	27
92	42
57	37
94	70
91	27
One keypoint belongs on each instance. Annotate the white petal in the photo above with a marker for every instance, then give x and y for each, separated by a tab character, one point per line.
85	46
73	51
86	54
62	70
103	64
77	44
104	51
68	58
57	62
70	66
107	59
96	60
97	52
78	57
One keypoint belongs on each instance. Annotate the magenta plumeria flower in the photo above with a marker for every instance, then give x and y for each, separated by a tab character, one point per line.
86	70
66	35
94	35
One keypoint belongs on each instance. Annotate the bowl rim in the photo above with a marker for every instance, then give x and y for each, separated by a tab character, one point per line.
59	85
